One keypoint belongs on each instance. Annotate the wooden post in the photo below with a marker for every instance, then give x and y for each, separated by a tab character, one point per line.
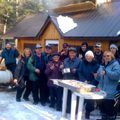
64	105
73	106
80	108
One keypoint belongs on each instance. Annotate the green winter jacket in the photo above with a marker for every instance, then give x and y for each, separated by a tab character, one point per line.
34	63
31	66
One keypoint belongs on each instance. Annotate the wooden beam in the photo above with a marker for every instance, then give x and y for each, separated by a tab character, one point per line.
84	6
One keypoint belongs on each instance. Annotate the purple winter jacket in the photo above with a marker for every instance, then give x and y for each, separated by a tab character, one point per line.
56	73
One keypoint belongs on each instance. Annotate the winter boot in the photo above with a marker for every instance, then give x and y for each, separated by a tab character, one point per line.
87	115
104	117
111	117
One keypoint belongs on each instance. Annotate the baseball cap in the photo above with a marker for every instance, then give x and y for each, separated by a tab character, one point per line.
99	45
38	46
48	46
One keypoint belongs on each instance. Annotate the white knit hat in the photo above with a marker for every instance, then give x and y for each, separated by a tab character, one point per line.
89	53
113	46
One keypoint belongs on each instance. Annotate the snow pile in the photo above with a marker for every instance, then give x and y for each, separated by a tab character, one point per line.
66	23
5	76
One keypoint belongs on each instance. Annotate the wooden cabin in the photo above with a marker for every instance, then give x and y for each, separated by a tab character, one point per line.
98	25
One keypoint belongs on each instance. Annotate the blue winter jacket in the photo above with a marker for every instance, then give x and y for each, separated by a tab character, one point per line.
72	64
109	81
10	56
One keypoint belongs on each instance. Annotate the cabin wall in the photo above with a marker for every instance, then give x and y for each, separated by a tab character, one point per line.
105	43
51	34
26	43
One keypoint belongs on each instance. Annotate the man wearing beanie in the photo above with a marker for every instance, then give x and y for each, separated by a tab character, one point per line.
71	65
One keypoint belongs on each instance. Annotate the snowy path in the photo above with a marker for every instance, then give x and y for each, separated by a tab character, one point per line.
12	110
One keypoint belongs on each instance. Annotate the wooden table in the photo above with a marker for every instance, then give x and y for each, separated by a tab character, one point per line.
75	93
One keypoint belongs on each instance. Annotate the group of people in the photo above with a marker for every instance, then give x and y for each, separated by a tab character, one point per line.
35	69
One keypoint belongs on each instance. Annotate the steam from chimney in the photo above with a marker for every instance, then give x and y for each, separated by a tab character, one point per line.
51	4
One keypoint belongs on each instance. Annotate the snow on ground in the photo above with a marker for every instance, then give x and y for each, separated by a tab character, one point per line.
12	110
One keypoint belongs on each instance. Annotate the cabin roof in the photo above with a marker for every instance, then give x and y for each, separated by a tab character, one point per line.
102	22
30	26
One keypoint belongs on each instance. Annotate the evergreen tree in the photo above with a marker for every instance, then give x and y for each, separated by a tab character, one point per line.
11	11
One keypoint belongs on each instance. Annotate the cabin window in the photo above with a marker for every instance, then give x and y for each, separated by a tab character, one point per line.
30	45
54	44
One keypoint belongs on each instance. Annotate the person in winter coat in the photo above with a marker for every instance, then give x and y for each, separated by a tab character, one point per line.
36	66
83	50
108	76
54	71
98	53
48	57
10	55
64	52
87	69
114	50
48	53
71	64
21	77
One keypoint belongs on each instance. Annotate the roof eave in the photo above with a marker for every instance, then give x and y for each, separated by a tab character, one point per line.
115	38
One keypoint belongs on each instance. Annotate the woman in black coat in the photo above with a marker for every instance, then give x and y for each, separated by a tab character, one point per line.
83	49
21	77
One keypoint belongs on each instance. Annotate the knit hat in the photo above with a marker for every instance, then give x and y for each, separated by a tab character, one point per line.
55	54
113	46
72	49
89	53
